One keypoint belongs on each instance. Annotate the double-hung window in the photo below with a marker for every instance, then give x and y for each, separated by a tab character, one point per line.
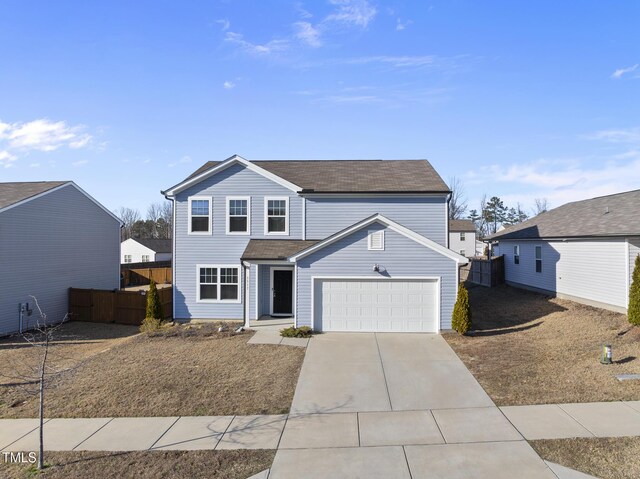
200	208
238	215
516	254
538	259
218	284
127	258
145	258
462	236
276	215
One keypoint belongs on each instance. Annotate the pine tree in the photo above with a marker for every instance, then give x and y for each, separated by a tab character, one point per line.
461	318
633	313
154	307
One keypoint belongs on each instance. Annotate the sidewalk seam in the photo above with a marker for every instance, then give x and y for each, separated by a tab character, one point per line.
92	434
384	374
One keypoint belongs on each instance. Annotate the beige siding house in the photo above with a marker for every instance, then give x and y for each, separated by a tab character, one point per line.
583	251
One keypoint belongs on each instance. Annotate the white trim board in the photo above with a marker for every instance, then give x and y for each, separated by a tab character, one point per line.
189	215
228	216
378	218
436	279
219	284
234	160
286	216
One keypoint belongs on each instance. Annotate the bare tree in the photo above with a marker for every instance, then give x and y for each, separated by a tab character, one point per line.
129	217
458	201
541	206
161	214
166	215
40	373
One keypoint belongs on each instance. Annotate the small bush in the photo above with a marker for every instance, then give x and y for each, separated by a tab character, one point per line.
150	325
461	318
292	332
633	313
154	306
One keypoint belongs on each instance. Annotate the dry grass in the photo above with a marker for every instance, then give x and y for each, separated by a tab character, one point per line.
182	370
528	348
607	458
238	464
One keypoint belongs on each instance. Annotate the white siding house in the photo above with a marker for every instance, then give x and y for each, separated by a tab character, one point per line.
583	251
462	237
143	250
53	236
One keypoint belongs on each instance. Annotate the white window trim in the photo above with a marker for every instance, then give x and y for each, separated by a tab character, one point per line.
535	259
201	233
228	216
218	266
516	252
370	242
266	216
463	236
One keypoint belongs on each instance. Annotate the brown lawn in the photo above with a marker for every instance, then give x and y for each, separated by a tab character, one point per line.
527	348
185	370
607	458
238	464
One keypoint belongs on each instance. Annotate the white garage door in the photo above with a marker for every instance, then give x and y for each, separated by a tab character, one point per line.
376	305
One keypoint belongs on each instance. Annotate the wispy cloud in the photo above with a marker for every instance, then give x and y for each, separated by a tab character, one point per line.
6	159
390	96
224	24
401	25
352	12
623	71
42	135
228	85
80	163
308	34
183	160
272	46
621	135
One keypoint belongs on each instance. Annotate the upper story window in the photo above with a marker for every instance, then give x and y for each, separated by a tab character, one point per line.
200	215
516	254
127	258
462	236
276	215
463	252
538	259
145	258
376	240
238	215
218	283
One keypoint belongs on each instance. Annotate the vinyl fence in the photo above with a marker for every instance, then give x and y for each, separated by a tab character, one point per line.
122	307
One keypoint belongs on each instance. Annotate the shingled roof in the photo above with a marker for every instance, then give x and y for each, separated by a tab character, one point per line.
461	225
12	193
157	245
271	249
353	176
605	216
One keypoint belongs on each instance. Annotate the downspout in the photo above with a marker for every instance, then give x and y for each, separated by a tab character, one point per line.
446	227
245	322
173	254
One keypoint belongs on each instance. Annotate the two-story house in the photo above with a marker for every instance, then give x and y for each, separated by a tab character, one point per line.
337	245
462	237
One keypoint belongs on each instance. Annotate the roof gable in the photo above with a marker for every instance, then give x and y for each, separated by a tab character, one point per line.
155	244
398	228
604	216
461	226
337	176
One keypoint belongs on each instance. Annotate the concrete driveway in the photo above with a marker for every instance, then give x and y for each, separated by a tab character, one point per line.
358	372
382	405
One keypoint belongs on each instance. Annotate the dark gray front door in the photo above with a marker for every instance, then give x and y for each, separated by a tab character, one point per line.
282	292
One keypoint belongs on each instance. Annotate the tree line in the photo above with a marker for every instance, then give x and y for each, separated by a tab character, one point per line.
158	223
492	214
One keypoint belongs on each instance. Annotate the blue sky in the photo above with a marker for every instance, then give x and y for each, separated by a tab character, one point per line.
517	99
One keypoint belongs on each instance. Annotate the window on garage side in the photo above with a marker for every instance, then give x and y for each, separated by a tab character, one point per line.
516	254
538	259
218	284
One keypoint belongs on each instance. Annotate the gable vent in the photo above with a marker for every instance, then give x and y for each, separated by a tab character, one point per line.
376	240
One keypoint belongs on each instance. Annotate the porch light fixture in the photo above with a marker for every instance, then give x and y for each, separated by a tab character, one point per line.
376	268
607	354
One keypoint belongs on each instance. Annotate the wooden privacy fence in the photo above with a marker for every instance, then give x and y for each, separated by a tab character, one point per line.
122	307
141	276
486	272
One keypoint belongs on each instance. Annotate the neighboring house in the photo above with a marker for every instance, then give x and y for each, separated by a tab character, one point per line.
53	236
582	251
143	250
338	245
462	237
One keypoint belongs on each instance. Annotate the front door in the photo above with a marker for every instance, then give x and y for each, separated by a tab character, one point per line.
282	292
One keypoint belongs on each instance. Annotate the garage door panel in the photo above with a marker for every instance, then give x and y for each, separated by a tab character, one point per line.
376	305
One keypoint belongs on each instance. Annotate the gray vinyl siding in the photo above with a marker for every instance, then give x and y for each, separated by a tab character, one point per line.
424	215
220	248
49	244
593	270
350	256
263	291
